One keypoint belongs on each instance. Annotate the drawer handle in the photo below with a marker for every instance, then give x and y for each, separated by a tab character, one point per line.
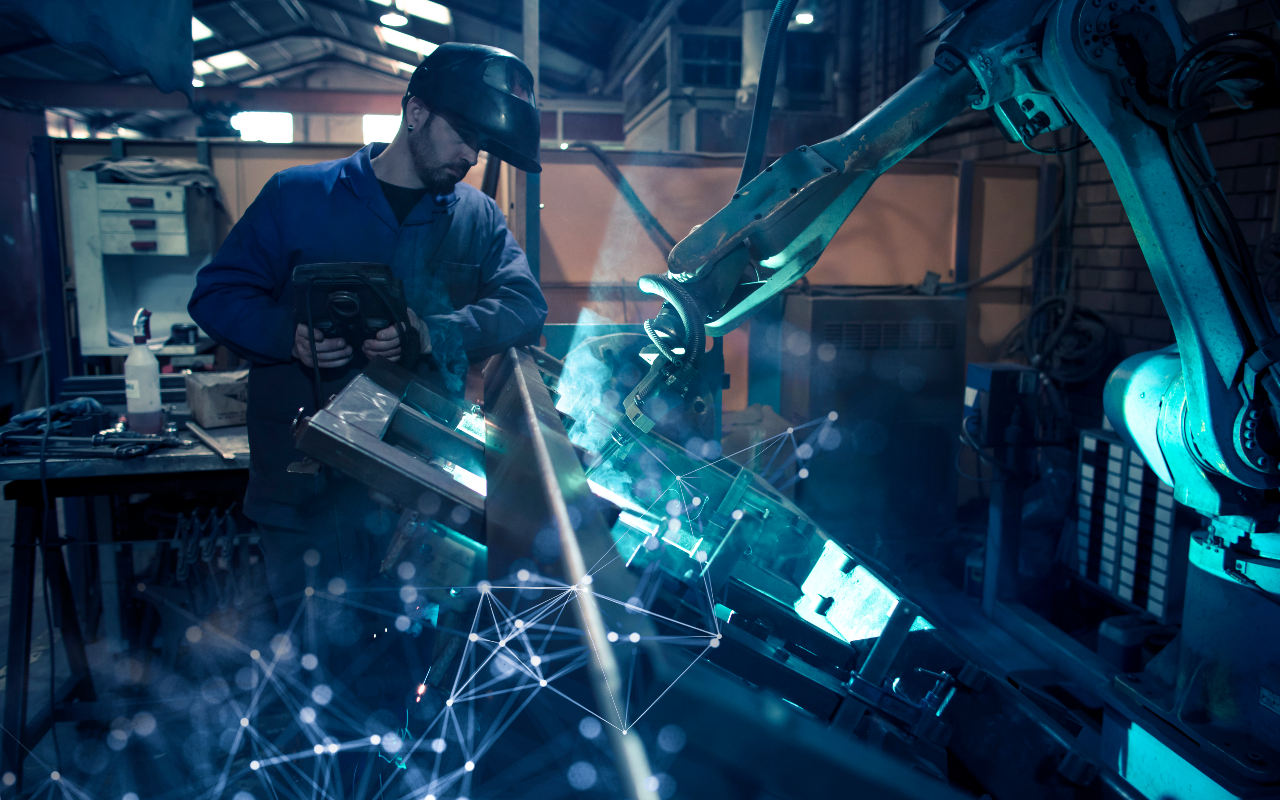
143	245
142	202
142	224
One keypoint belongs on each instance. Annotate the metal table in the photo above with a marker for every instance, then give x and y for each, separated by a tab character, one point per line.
171	469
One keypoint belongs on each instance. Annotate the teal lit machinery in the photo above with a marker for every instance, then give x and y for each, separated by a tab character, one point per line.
1205	415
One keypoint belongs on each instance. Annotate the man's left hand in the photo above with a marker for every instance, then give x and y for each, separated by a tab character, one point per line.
387	343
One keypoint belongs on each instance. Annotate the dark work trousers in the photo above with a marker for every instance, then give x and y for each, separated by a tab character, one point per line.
348	619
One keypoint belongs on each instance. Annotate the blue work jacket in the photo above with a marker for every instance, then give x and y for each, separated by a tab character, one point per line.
472	287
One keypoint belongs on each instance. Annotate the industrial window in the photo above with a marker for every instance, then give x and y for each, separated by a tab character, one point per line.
806	55
645	84
264	126
380	127
714	61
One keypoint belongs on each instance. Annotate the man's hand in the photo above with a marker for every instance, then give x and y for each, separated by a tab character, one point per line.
387	342
330	352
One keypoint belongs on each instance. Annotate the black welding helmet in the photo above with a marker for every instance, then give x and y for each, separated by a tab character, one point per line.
489	89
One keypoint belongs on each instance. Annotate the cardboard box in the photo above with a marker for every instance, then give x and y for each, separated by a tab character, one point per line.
218	399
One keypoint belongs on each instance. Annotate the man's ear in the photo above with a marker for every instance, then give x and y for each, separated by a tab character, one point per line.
416	112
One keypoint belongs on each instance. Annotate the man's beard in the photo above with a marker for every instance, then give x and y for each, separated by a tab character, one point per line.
438	178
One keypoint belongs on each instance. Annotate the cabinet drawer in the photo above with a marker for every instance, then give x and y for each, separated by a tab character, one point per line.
145	224
133	197
145	243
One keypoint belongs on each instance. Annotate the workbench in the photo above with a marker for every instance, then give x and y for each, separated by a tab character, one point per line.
194	468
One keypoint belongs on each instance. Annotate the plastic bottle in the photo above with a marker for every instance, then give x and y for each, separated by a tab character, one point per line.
142	379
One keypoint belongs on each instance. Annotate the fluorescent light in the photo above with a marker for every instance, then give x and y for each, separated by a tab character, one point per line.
201	67
196	82
432	12
226	61
381	128
199	30
264	126
412	43
393	19
804	18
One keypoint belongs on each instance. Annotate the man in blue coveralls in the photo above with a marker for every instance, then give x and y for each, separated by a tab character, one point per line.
467	284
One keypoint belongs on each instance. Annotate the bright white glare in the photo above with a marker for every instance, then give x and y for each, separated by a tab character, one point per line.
412	43
612	496
433	12
196	82
380	127
650	528
226	61
804	18
199	31
468	479
264	126
393	19
201	67
384	2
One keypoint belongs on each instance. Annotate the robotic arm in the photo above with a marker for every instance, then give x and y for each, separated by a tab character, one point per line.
1125	72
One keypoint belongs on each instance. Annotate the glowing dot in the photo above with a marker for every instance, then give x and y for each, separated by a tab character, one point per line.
673	524
307	714
194	634
737	513
449	702
522	575
129	796
714	643
429	797
790	431
406	571
833	416
697	501
535	660
402	623
142	587
475	637
635	637
55	775
701	557
310	662
651	783
564	145
502	643
332	748
311	558
586	580
322	694
804	451
375	739
244	722
803	473
590	727
337	586
318	749
9	779
674	507
439	745
484	587
255	655
469	766
422	689
613	636
309	591
255	765
542	682
408	594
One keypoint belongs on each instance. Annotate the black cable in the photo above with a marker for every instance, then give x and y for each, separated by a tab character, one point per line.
695	334
657	234
759	135
1055	151
1040	242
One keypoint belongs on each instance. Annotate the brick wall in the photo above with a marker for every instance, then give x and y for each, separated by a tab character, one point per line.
1110	272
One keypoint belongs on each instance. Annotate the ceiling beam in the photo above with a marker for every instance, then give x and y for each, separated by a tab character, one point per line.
144	97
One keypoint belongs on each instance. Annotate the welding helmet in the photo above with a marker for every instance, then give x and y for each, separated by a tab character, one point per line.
488	89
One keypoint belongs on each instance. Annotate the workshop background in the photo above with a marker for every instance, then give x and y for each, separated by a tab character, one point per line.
660	92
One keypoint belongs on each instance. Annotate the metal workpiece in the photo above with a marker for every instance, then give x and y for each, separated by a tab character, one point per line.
787	215
381	430
537	484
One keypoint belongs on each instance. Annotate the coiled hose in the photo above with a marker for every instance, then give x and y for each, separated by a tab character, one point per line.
690	313
764	90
